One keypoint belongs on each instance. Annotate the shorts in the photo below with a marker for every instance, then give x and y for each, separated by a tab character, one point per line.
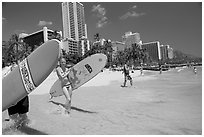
65	83
21	107
129	77
67	86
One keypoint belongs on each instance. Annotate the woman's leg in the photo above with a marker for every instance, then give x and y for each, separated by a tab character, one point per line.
130	80
70	98
23	110
125	80
68	94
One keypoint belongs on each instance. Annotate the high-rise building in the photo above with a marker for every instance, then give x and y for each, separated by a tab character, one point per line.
74	27
164	52
84	46
117	46
70	45
153	49
73	20
170	53
37	38
131	38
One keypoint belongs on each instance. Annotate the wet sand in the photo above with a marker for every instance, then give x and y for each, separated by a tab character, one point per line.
166	104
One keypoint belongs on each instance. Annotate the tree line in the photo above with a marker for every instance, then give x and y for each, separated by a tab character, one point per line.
16	50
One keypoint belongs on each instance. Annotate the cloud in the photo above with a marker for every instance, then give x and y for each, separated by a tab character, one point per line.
134	7
99	10
102	22
100	13
44	23
131	13
3	20
18	31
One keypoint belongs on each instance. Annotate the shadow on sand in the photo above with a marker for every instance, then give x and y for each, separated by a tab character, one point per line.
30	131
22	130
74	108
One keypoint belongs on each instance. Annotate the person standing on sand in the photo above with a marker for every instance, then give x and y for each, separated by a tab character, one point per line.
126	75
62	72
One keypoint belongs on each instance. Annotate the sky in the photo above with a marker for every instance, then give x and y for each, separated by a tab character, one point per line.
178	24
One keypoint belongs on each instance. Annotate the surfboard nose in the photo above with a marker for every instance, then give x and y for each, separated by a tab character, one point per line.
43	60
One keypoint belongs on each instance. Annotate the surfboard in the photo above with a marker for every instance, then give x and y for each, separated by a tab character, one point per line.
81	73
30	73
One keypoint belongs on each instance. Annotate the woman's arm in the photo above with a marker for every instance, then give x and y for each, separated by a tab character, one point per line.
60	74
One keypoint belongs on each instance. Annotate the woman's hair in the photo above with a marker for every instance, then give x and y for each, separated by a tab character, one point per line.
62	59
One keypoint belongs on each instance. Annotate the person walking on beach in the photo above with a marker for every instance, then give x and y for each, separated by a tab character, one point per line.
62	72
160	69
126	75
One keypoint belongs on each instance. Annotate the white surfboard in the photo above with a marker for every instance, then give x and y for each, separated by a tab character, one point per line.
81	73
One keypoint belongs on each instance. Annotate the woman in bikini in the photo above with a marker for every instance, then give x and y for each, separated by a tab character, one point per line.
62	72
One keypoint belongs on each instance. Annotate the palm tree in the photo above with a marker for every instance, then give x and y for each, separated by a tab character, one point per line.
97	37
120	58
107	49
16	48
135	54
6	58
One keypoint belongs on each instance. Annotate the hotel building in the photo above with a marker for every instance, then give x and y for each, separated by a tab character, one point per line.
73	20
130	38
153	49
37	38
74	27
170	53
84	46
164	52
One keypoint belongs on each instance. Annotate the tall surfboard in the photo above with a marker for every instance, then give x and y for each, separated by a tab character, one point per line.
81	73
30	73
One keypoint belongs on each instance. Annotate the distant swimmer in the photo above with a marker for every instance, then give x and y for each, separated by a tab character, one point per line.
141	71
195	70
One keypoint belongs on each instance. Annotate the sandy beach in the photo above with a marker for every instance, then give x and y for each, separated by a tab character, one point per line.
157	104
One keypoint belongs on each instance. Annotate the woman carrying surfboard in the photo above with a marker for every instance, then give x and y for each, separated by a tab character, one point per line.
62	72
